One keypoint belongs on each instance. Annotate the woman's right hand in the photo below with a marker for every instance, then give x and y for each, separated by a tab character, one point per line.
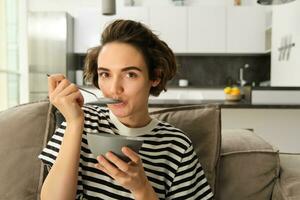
66	97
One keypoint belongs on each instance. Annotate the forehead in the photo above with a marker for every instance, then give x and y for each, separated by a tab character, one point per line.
120	54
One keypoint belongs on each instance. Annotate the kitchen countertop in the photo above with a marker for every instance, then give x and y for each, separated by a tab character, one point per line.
222	103
165	103
285	88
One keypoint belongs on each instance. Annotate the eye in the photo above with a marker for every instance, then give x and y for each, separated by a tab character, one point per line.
131	75
103	75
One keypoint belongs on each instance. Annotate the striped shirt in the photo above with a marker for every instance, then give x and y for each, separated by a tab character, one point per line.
168	157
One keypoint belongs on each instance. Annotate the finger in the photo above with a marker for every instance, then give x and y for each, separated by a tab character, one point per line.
100	167
75	97
64	83
72	88
117	161
53	81
69	89
80	100
131	154
111	170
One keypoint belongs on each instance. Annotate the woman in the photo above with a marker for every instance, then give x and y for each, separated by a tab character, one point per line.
131	64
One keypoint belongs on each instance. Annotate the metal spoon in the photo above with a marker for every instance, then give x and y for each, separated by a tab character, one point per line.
100	100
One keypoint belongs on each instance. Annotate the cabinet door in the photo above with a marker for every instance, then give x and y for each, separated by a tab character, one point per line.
170	23
246	29
90	23
140	14
207	29
285	68
86	30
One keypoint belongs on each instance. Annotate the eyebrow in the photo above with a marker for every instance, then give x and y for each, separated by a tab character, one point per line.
124	69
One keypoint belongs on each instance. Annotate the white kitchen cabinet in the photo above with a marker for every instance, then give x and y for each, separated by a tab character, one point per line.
201	29
285	64
88	26
140	14
90	23
207	29
246	29
170	23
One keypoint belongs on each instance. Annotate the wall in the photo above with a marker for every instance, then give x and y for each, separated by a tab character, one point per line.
215	70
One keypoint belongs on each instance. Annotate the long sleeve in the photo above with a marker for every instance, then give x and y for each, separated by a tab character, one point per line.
190	181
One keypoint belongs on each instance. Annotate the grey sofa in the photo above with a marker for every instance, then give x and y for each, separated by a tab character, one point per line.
238	163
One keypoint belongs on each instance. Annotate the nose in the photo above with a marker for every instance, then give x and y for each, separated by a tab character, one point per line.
116	87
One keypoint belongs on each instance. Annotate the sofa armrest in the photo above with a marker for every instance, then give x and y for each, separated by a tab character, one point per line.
249	166
287	187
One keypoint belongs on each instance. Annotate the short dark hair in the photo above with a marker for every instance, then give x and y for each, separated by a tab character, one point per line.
159	58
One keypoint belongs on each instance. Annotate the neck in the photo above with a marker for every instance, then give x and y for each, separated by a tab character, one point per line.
139	120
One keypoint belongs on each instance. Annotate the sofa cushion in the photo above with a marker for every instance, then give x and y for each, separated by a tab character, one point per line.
288	186
202	125
249	166
21	140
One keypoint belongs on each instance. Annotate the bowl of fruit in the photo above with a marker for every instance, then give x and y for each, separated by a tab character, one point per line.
232	93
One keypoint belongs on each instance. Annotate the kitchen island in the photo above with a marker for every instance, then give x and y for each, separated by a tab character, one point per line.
222	103
279	124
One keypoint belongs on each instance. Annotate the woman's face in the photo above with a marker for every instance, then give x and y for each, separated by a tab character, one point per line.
123	74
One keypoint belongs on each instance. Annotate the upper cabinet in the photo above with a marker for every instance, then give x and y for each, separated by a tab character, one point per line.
246	29
207	29
285	59
87	29
201	29
140	14
90	24
170	23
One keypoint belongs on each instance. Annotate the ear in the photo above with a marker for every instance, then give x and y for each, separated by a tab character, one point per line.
157	80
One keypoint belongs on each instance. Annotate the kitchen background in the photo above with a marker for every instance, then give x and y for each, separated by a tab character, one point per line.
216	42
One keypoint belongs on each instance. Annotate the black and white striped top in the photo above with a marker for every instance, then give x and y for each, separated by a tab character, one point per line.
168	157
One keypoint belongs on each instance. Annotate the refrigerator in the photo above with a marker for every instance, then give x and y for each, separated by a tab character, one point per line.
50	50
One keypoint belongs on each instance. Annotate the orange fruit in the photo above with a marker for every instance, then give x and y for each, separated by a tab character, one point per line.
235	91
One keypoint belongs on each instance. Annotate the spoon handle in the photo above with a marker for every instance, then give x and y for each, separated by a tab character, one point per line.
103	100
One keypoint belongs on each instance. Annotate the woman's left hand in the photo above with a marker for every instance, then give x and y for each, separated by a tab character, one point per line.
130	175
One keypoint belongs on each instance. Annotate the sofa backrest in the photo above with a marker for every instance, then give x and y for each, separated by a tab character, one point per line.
202	124
25	130
22	136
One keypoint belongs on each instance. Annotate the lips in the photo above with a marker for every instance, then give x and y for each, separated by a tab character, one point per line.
118	105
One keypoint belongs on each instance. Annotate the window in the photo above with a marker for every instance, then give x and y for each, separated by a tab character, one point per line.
9	54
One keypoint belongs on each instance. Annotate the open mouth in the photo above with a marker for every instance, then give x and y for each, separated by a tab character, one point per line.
118	102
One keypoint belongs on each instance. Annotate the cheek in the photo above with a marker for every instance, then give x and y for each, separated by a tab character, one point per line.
104	88
141	90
